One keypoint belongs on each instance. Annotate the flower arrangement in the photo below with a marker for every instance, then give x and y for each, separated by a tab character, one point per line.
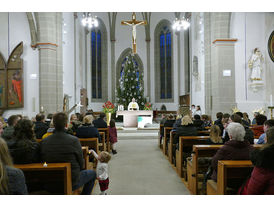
108	107
147	106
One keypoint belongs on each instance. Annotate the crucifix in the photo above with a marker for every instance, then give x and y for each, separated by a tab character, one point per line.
134	23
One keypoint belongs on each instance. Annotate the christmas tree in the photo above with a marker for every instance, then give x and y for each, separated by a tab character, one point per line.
130	84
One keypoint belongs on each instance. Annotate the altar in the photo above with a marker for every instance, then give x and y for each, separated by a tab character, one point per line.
136	118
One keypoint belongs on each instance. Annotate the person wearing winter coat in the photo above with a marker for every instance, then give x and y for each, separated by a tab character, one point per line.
261	181
235	149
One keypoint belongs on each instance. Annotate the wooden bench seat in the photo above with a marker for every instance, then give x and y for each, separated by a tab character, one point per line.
106	131
159	136
229	170
186	142
171	146
165	138
57	174
198	152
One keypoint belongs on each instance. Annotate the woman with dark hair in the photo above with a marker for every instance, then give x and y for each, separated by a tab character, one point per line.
24	149
12	180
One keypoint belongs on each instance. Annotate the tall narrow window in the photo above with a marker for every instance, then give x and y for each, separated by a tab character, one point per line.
163	56
165	64
96	64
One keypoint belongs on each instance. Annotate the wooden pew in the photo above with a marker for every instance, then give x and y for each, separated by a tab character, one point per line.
228	170
91	143
166	131
186	141
106	131
159	137
57	173
204	133
201	151
103	144
171	146
86	157
193	167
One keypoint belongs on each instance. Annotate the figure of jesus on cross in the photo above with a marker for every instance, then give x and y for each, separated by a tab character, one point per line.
133	23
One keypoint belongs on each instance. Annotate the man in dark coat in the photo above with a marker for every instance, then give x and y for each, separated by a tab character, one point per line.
218	122
235	149
197	122
40	127
100	122
62	147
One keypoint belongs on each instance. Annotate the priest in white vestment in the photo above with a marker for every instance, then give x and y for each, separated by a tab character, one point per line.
133	105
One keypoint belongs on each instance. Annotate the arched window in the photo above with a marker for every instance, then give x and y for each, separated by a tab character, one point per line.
163	62
98	50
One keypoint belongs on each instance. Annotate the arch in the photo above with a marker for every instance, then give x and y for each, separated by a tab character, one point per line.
101	74
120	61
32	28
158	29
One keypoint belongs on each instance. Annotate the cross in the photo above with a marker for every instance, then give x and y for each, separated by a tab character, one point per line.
133	23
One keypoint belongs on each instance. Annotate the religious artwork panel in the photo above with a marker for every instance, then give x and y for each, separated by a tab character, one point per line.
271	46
2	89
15	88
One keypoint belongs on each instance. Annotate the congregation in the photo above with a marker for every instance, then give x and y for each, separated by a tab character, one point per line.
51	140
39	140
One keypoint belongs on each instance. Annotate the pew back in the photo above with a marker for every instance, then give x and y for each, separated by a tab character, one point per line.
187	142
165	138
106	131
55	173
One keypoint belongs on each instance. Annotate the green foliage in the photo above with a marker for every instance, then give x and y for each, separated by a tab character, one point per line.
128	85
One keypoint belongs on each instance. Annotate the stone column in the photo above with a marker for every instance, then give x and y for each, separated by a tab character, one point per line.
223	75
49	33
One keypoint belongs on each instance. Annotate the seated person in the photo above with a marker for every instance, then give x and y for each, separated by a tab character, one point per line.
244	122
235	149
168	123
186	129
177	122
215	135
249	136
267	124
100	122
206	121
258	129
219	122
133	105
12	180
40	127
261	181
87	130
74	123
163	118
197	122
63	147
9	130
24	148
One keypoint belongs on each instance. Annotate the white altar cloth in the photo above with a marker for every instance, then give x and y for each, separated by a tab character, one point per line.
131	117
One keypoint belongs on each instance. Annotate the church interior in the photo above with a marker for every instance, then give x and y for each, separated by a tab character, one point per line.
174	91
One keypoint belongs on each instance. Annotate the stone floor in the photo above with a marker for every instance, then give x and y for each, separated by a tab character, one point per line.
140	168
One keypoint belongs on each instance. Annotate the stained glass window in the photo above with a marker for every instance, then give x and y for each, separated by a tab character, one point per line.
165	64
96	63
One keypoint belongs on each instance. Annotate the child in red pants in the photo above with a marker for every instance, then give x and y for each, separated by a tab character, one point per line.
102	170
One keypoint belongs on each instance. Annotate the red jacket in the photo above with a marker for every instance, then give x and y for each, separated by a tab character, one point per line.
258	130
262	177
261	182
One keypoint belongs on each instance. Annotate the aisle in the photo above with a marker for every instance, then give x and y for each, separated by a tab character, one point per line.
140	168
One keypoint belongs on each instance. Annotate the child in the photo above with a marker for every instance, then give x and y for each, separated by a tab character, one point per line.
112	135
102	170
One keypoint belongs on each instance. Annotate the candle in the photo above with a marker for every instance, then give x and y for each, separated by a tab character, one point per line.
271	100
45	164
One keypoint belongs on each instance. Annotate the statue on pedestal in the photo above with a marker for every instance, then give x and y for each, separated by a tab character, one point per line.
255	63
